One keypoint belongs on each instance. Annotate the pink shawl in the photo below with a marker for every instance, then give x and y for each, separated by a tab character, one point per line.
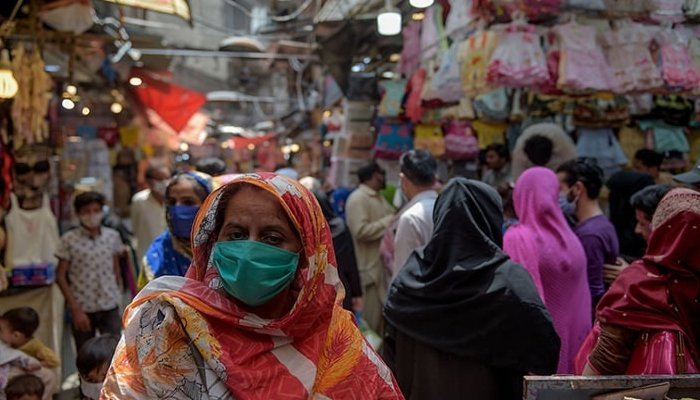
545	245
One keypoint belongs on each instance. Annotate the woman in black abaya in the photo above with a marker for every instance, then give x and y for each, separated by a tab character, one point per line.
463	321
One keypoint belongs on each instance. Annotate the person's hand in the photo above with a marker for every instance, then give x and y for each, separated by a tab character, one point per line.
612	271
81	322
32	366
357	304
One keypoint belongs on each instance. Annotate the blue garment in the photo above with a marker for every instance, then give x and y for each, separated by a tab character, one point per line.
163	259
602	145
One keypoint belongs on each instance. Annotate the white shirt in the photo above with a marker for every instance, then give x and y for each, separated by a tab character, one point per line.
148	219
415	227
91	271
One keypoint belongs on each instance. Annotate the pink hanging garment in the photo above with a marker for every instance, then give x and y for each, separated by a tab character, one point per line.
627	52
429	35
583	67
666	11
676	65
410	55
414	110
518	61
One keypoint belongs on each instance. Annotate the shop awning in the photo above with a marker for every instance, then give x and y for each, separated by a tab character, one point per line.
173	103
180	8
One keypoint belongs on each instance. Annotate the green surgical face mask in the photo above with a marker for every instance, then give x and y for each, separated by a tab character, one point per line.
254	272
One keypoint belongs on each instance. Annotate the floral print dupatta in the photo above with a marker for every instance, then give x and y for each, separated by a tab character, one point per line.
186	338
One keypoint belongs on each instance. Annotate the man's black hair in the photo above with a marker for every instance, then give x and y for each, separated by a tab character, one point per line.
419	166
586	171
87	198
22	319
95	353
366	173
647	200
539	150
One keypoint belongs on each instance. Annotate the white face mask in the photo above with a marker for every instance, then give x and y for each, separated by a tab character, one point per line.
91	220
91	390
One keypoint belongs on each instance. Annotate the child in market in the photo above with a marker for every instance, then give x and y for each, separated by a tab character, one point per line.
93	363
14	363
88	271
25	387
17	328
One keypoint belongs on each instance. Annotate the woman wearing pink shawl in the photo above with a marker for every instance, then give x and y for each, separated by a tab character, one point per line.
545	245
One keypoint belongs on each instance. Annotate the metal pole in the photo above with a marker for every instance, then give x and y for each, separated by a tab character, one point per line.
224	54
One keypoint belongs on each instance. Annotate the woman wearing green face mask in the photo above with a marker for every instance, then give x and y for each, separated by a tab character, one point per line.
259	313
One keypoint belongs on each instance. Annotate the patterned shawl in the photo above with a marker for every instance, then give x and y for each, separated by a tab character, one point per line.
187	338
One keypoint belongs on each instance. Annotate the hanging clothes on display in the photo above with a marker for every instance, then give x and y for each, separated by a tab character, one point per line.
459	19
666	138
627	50
582	67
518	61
433	40
32	235
666	11
410	55
676	65
602	145
475	54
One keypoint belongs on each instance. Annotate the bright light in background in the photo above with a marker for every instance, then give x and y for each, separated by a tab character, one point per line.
68	104
184	147
71	90
419	16
388	75
396	57
327	114
294	148
225	145
116	108
251	147
85	111
367	60
135	81
389	22
52	68
421	3
327	143
358	68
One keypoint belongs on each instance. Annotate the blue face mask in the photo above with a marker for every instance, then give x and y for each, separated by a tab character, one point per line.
182	219
254	272
568	206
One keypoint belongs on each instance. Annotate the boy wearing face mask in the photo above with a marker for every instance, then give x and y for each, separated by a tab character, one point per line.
582	181
93	362
88	271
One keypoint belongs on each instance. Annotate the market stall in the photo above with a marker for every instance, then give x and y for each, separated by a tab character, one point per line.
616	76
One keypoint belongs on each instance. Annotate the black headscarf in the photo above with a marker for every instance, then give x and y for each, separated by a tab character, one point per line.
462	295
623	185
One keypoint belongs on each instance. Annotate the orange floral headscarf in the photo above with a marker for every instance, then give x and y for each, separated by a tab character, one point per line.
186	337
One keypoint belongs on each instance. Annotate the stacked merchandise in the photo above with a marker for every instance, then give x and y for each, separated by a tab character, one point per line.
605	70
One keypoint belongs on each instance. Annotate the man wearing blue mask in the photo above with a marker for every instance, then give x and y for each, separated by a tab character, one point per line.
582	180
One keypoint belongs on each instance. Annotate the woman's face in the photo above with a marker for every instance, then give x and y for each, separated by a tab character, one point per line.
254	214
182	193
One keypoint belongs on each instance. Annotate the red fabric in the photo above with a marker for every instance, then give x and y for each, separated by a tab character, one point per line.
660	292
175	104
414	111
